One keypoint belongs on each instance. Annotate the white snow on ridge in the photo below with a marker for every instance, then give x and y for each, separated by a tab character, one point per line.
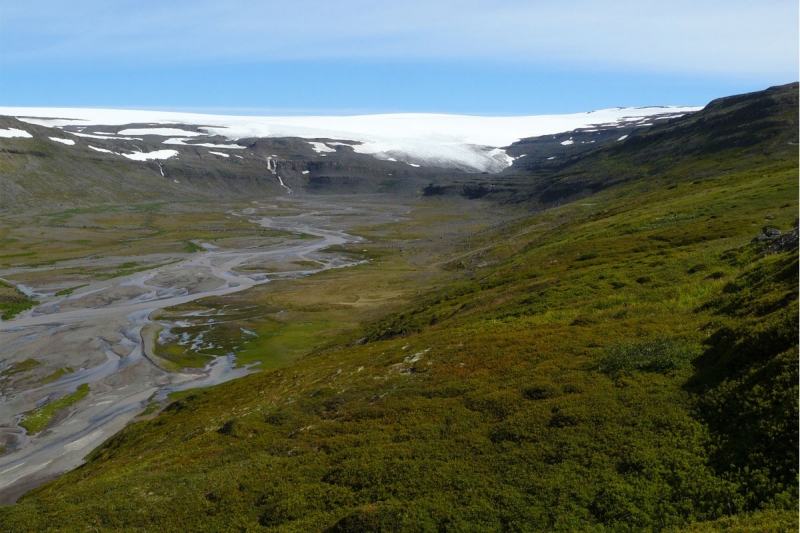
321	147
219	154
468	142
164	132
140	156
68	142
158	154
13	132
103	136
96	149
180	142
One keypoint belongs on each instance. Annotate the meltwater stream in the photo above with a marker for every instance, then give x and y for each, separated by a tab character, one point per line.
98	332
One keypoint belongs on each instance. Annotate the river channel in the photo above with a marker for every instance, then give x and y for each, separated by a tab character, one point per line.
103	323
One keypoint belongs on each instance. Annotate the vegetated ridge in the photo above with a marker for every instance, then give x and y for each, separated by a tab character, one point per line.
626	361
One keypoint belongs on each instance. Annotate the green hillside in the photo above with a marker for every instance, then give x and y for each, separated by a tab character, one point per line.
627	361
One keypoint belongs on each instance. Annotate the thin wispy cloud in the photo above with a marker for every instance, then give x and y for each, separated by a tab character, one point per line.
732	38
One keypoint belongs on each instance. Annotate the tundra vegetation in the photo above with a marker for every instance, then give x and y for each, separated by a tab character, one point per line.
623	361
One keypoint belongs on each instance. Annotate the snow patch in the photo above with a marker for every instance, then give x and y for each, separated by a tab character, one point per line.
219	154
181	142
68	142
158	154
104	137
164	132
567	142
13	132
622	138
320	147
96	149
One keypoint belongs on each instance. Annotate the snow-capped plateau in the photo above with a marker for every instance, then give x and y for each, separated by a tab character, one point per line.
472	143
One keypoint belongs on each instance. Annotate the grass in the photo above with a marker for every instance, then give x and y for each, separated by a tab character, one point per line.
23	366
70	290
192	247
290	318
38	419
629	365
660	354
543	391
12	309
58	374
13	301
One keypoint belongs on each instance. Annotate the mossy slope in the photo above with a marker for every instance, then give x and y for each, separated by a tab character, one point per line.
628	364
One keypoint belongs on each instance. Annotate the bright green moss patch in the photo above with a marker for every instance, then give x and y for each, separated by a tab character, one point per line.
38	419
10	310
70	290
23	366
57	375
13	301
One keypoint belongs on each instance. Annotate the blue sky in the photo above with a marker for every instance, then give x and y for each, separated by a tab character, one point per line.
505	57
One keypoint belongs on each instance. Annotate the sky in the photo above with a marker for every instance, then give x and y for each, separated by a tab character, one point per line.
485	57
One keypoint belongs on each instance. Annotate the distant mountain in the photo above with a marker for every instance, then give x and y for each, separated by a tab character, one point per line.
717	134
469	143
64	156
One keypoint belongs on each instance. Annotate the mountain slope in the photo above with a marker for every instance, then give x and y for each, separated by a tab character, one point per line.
470	143
588	372
691	147
110	156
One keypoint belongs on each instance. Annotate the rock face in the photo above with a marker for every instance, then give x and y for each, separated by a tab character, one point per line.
768	233
782	243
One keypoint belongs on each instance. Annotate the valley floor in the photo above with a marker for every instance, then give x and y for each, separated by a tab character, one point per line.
102	282
624	363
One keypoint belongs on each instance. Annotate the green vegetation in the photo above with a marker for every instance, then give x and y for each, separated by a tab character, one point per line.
625	365
274	324
57	375
23	366
12	309
38	419
13	301
192	247
660	354
70	290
